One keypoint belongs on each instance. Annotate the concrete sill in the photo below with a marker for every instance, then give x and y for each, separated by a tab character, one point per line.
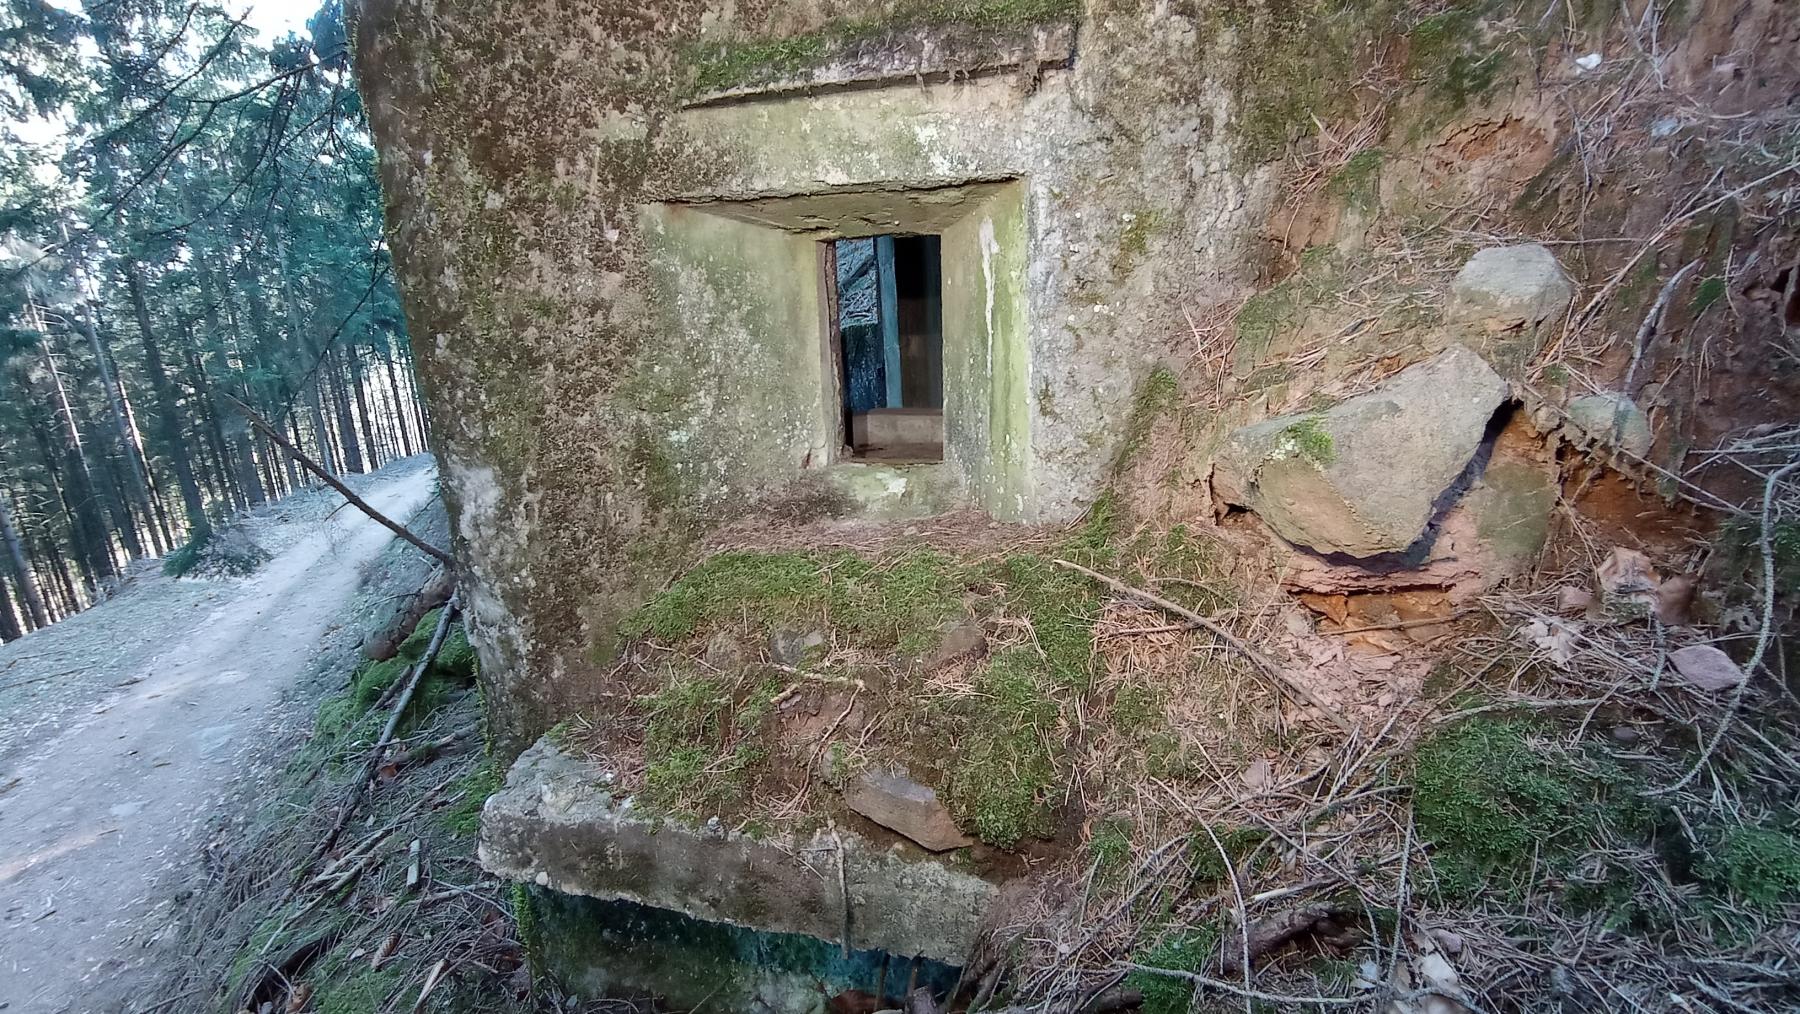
915	56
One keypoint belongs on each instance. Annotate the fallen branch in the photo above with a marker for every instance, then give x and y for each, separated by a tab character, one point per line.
386	739
1765	544
1593	305
1257	658
355	501
413	679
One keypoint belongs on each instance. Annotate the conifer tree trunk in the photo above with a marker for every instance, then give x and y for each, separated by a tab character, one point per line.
234	433
71	595
168	417
164	532
88	527
224	475
393	379
136	471
23	570
340	404
322	433
373	453
10	629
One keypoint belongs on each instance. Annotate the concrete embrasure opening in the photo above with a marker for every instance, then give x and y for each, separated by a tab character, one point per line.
887	331
822	374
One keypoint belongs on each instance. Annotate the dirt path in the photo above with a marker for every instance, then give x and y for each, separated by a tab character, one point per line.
171	697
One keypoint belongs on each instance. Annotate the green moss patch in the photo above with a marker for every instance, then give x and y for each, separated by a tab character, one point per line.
1001	781
1159	393
881	604
713	744
1358	181
1495	804
1188	949
463	819
1308	439
1758	864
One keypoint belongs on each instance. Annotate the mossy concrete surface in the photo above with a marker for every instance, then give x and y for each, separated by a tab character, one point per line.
557	824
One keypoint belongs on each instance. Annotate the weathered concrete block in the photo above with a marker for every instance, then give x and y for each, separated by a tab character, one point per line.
1505	287
556	824
1613	420
1364	477
905	807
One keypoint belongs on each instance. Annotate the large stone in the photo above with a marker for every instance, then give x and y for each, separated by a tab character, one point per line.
905	807
1364	477
1505	287
1613	420
557	824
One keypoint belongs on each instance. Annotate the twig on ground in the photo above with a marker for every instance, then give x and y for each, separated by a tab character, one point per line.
1766	540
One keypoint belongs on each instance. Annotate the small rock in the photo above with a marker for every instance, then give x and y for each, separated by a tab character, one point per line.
1571	600
724	652
1628	583
1675	600
1706	667
1386	700
905	807
967	639
791	647
1625	734
1614	420
1507	287
1450	941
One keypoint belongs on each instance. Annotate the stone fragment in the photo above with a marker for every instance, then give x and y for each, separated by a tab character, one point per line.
1364	477
1706	667
1572	601
1628	584
967	639
1675	600
1612	419
791	647
1506	287
905	807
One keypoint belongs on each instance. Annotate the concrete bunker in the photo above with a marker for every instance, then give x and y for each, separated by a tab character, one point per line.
899	315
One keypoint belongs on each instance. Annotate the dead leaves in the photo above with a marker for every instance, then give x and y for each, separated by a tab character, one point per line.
1556	637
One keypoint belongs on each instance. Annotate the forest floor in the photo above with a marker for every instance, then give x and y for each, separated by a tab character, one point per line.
133	734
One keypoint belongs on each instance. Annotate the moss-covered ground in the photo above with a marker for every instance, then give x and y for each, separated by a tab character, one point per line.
996	729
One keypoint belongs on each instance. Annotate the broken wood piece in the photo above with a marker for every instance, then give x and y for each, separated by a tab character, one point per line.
385	642
1272	933
1257	659
414	869
431	980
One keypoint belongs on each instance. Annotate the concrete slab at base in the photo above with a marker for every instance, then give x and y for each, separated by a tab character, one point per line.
557	824
621	950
